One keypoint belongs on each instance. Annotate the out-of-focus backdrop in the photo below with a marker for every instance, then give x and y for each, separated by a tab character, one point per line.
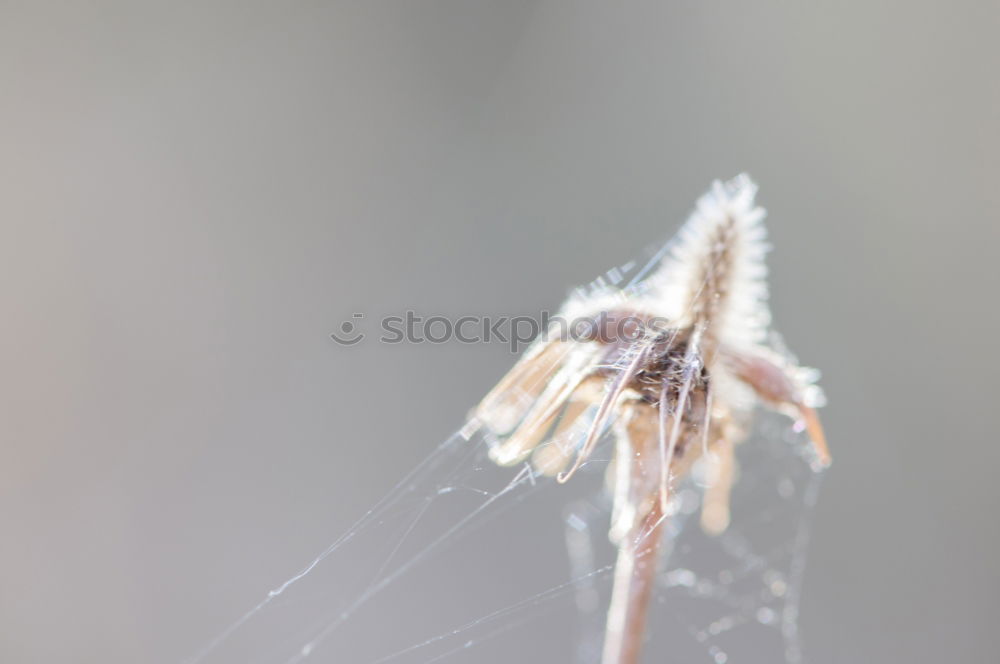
194	195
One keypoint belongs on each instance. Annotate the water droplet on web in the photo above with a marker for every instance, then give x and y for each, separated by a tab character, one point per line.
681	577
721	625
775	583
765	615
718	656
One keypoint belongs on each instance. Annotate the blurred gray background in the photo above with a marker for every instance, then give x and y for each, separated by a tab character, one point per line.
194	195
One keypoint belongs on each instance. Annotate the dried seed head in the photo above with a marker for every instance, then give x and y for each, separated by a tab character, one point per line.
690	342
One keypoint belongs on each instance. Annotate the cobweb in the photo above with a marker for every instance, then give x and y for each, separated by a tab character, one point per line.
464	561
